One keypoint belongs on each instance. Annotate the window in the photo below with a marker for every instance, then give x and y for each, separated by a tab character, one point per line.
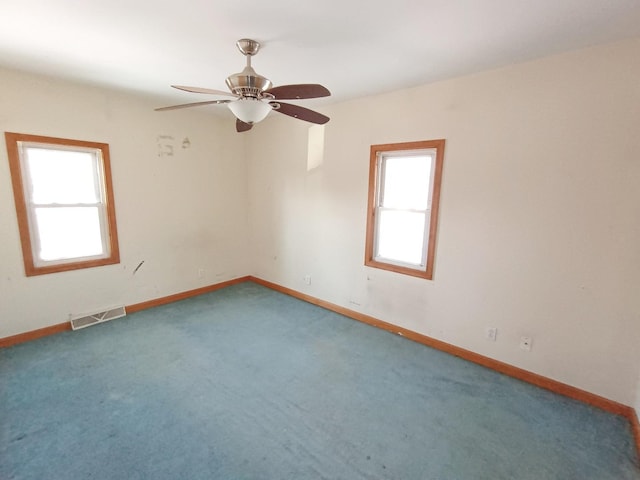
64	201
404	191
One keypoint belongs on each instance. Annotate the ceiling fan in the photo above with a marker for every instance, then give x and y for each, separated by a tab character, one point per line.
254	95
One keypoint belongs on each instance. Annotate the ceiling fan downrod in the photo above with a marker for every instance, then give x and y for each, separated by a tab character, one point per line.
248	83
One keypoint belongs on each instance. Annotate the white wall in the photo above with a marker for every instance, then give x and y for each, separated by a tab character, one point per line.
177	213
636	405
539	222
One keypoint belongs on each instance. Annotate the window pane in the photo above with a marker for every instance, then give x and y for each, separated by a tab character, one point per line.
406	182
400	236
62	176
69	232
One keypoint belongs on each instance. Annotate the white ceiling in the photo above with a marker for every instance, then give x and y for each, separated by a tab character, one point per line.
352	47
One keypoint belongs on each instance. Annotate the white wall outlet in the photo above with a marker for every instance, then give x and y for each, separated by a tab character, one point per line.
307	279
201	273
491	333
525	343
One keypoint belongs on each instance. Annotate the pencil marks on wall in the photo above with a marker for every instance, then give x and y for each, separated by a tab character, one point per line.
167	145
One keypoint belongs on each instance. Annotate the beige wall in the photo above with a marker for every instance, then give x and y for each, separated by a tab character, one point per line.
637	404
539	222
178	213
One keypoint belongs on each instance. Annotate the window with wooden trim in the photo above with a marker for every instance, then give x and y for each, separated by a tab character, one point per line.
64	203
404	194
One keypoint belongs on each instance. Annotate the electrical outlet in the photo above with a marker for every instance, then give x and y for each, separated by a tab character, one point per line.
201	273
491	333
525	343
307	279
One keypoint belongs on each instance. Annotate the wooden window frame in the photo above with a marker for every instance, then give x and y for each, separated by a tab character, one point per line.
425	272
13	142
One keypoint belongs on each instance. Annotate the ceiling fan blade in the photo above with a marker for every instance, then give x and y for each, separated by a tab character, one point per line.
242	127
186	105
301	113
295	92
203	90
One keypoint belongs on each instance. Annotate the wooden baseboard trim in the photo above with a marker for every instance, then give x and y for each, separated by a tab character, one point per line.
501	367
183	295
34	334
63	327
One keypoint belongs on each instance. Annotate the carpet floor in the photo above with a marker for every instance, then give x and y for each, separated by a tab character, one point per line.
248	383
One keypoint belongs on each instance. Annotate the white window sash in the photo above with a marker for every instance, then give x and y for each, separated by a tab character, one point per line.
379	208
425	238
99	184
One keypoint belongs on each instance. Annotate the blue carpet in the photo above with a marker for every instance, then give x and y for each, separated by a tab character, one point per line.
247	383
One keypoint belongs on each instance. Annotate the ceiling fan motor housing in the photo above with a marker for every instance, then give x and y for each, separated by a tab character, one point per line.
248	83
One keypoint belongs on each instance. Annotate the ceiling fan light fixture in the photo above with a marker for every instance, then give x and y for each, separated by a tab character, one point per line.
255	96
250	110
